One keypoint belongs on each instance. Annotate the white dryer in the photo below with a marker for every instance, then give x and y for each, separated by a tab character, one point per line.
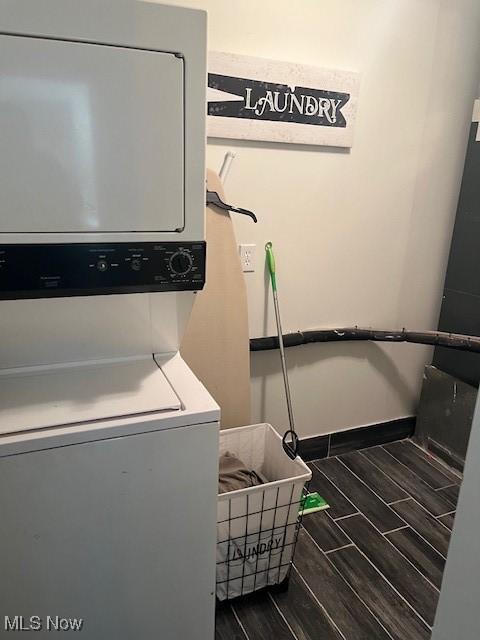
108	442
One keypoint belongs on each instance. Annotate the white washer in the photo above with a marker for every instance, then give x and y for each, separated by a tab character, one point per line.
108	482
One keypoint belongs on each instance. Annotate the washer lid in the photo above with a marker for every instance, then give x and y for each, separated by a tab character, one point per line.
61	395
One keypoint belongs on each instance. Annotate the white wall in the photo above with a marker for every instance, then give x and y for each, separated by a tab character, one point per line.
361	237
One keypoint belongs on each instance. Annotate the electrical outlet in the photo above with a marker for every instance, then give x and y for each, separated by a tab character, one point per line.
247	256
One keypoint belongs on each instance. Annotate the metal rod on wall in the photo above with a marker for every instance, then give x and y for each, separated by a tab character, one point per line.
433	338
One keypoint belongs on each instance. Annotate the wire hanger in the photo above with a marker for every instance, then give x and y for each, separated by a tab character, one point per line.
214	199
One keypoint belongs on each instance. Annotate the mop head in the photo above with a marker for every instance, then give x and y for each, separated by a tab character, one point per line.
311	503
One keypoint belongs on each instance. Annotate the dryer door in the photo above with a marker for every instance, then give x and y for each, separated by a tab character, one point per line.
91	138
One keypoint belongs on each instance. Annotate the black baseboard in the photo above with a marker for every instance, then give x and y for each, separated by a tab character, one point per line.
334	444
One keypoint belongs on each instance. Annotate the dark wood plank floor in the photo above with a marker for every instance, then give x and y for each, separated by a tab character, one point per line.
369	568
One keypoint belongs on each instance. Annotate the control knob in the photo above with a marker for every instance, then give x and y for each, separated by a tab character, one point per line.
136	264
181	263
102	265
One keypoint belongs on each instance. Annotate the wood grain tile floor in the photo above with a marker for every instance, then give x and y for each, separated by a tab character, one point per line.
369	568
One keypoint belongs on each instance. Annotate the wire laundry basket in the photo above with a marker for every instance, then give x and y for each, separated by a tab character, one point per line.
257	527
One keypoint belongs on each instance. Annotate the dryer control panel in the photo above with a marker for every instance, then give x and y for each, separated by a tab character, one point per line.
80	269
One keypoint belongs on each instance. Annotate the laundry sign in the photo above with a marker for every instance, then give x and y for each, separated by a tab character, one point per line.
259	99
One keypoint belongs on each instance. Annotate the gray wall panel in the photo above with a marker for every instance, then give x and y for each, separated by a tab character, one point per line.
460	312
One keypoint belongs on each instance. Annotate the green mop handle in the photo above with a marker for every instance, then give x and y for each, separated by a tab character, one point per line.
291	448
271	264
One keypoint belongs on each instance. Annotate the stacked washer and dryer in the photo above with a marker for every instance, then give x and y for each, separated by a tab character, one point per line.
108	442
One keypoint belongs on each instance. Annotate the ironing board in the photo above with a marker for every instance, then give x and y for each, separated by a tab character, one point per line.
216	341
